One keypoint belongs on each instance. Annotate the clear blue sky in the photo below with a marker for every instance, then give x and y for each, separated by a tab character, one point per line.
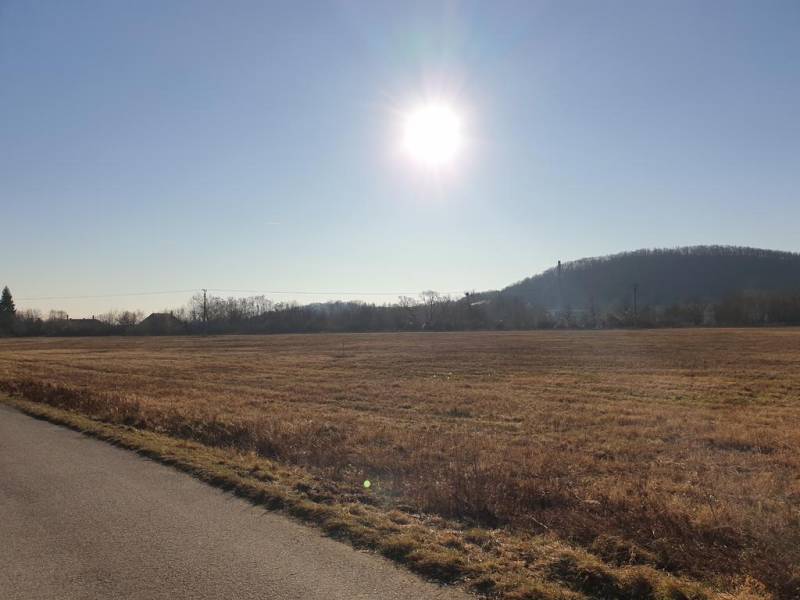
166	145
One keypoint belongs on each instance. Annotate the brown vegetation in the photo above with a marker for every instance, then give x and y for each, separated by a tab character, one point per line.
547	464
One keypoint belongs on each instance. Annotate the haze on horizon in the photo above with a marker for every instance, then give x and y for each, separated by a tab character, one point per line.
260	146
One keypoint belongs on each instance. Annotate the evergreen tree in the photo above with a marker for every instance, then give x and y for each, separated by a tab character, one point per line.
7	310
7	303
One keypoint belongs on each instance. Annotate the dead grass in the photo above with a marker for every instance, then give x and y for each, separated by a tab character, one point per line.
613	464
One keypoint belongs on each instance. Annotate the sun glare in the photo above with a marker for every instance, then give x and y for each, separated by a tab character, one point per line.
432	135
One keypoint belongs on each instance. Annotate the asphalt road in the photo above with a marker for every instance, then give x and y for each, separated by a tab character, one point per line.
82	519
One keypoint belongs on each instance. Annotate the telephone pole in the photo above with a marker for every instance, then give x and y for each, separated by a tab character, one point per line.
636	301
560	291
205	313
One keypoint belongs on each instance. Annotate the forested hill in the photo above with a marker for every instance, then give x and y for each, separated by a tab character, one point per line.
663	277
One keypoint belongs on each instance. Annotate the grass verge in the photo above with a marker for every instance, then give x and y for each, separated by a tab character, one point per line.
494	563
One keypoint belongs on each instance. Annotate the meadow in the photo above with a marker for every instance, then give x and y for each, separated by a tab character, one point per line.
548	464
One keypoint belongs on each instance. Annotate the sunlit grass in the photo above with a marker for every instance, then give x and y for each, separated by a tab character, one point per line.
667	452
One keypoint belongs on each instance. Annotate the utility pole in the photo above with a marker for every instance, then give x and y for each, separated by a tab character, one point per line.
560	292
205	313
636	301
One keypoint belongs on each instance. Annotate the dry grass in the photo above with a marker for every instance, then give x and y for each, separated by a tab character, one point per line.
539	465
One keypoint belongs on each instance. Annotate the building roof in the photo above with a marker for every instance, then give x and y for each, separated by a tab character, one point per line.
161	323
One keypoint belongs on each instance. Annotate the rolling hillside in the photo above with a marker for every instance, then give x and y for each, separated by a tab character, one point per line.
663	277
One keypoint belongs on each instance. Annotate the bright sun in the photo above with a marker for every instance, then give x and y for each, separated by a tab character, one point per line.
432	135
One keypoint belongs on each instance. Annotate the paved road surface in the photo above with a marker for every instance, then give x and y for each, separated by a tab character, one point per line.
82	519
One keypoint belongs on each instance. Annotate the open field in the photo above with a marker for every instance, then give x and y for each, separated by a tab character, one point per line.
620	464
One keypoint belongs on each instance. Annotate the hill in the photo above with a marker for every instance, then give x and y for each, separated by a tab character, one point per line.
663	277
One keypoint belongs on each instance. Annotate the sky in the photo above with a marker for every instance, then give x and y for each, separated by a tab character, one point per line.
167	146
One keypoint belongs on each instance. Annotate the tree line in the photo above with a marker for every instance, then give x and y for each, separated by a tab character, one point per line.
429	311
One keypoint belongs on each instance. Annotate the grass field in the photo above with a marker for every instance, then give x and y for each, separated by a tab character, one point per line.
641	464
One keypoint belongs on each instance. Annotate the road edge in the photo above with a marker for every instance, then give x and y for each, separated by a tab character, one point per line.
284	490
433	549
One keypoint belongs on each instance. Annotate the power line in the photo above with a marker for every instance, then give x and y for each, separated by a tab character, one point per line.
325	293
234	291
119	295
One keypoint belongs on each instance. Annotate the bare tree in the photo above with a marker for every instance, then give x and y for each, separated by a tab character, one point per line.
430	301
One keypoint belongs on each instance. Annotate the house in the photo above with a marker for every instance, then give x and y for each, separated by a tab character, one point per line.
161	324
81	327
